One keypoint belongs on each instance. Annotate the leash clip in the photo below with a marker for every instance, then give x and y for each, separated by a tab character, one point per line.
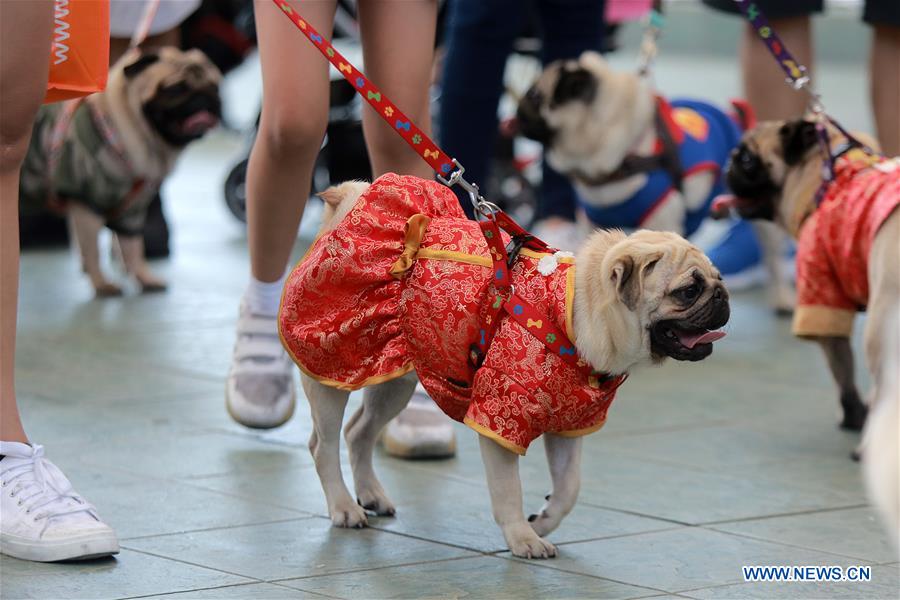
482	206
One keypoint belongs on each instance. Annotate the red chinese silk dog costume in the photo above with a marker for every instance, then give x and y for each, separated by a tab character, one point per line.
403	283
834	243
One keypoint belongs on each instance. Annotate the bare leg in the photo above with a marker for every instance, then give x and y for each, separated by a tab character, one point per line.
24	59
86	225
381	403
840	360
294	118
765	90
884	74
502	469
132	247
398	32
327	405
763	79
564	460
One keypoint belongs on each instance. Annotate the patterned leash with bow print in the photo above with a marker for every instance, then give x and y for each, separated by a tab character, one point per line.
450	173
797	76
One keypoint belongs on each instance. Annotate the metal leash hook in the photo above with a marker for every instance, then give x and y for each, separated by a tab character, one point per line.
653	25
481	206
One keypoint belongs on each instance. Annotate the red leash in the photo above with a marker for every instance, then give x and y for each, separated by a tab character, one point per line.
450	173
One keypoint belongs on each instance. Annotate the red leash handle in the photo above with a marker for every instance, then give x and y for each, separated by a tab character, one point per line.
399	122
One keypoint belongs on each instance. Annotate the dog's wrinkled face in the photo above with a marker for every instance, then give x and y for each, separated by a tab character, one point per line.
177	92
673	289
564	86
759	166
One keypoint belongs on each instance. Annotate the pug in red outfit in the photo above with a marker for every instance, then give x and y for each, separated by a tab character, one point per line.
399	280
847	261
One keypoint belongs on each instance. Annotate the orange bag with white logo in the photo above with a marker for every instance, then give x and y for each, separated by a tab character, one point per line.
79	60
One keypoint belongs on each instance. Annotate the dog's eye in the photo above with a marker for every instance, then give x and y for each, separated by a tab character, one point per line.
687	294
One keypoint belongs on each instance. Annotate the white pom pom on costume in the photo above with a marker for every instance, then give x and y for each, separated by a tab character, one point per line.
548	264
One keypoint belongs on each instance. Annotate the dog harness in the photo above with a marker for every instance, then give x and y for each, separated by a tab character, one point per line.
833	244
406	281
692	137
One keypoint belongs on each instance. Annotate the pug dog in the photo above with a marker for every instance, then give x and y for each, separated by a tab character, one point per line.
848	235
636	159
103	164
400	280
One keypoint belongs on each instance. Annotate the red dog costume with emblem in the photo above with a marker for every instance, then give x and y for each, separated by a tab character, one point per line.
403	283
834	242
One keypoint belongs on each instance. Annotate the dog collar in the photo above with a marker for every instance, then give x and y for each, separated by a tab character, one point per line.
664	157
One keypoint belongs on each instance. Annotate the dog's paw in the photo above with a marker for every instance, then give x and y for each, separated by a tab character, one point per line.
525	543
376	501
150	284
854	412
107	290
348	514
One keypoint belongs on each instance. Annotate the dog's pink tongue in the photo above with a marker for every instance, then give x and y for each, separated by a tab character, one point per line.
200	122
690	340
722	205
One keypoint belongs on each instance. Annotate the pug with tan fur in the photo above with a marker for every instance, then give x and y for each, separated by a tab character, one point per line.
400	280
848	244
117	150
637	159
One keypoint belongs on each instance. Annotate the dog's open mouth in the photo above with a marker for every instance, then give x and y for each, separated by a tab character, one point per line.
747	208
199	123
682	341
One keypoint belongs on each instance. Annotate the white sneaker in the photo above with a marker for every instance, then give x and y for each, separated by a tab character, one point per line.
421	430
260	390
41	517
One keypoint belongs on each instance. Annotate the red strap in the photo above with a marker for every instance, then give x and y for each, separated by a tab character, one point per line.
402	124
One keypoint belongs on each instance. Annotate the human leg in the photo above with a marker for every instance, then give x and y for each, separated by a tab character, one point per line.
260	389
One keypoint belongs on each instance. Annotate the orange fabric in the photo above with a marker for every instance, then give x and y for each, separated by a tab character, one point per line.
348	322
833	247
415	231
79	60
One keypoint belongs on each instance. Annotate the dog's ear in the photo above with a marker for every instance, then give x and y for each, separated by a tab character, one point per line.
626	282
142	62
797	137
578	84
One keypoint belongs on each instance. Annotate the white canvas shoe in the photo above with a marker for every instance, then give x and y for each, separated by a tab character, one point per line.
41	517
421	430
260	391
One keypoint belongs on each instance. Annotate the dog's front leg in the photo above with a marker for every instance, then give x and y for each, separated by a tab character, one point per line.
502	469
132	247
564	460
86	225
840	359
772	240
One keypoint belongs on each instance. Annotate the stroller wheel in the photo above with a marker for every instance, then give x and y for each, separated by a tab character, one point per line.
236	191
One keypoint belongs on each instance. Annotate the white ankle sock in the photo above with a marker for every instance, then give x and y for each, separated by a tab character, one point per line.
263	298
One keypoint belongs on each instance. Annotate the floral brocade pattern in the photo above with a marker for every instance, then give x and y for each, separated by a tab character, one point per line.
348	322
834	244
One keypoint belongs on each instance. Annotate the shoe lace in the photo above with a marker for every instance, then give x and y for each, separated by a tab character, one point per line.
41	488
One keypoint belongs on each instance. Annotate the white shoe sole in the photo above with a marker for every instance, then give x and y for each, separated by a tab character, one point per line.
252	422
84	547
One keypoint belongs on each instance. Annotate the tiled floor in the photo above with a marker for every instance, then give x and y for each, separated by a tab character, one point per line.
702	468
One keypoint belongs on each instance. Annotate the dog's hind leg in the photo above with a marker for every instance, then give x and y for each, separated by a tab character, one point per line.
502	469
86	225
840	359
327	407
564	460
381	403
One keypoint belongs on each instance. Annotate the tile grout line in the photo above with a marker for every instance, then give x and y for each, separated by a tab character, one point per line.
797	513
219	528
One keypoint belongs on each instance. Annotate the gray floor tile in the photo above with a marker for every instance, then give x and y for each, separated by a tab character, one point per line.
482	577
885	585
251	591
857	533
294	549
683	559
141	506
131	574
